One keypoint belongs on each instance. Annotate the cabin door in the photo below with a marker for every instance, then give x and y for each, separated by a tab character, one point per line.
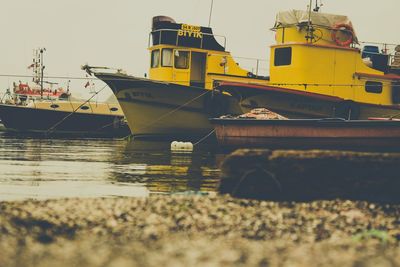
181	73
198	69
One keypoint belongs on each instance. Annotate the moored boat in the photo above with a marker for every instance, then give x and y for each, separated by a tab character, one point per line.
31	108
177	100
318	70
308	133
162	110
65	118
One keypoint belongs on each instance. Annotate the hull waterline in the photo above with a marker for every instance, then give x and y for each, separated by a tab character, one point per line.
53	122
167	111
308	133
302	105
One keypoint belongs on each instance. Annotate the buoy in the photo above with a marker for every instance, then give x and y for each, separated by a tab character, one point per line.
181	146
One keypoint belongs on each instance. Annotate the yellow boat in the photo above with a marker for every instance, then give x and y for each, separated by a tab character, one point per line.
315	71
178	100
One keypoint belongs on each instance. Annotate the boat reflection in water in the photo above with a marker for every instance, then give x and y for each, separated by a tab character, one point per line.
53	168
152	164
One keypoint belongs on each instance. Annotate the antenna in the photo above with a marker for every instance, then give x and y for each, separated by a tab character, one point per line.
211	10
41	71
38	68
310	29
317	7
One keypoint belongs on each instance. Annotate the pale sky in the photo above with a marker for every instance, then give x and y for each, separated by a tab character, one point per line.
115	33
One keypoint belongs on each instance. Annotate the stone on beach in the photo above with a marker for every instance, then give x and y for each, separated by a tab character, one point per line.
197	231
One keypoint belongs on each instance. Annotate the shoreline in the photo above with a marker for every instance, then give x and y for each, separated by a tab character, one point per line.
197	231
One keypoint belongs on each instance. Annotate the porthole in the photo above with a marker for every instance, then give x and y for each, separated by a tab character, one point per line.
54	106
84	107
373	87
114	109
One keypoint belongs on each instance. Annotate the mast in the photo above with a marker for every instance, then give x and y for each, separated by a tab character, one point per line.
41	72
211	10
38	68
310	29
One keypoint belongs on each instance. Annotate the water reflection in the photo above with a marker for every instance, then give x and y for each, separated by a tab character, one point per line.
153	164
47	168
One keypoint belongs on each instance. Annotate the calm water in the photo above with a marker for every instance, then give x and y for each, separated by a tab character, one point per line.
55	168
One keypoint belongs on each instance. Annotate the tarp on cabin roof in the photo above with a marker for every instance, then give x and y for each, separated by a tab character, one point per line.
294	17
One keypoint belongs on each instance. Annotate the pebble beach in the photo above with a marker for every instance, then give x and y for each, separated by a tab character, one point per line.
213	230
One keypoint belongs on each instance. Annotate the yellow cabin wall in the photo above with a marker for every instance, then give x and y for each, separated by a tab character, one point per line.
161	74
384	98
216	63
329	71
322	36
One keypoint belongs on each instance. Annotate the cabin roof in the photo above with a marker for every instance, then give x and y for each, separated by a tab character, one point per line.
165	31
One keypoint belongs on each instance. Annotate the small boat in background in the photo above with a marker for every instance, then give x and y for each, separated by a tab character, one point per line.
31	108
89	119
277	132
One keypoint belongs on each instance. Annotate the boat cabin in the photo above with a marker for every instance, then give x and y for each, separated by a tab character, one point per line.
191	55
314	52
318	53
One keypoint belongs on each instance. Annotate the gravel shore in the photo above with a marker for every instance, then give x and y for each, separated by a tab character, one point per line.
198	231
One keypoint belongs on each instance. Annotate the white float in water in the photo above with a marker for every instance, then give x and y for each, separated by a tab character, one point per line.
181	146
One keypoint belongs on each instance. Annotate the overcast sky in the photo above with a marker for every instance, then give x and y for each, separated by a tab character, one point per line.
115	33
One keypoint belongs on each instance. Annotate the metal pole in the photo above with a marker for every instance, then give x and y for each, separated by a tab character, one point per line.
257	67
41	74
309	31
211	10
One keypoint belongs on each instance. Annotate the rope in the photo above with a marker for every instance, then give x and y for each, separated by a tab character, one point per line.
394	116
205	137
51	129
109	124
269	84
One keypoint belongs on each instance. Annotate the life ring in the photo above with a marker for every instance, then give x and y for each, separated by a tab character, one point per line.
347	29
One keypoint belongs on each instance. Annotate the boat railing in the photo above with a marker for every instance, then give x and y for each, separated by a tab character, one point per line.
177	37
386	50
257	66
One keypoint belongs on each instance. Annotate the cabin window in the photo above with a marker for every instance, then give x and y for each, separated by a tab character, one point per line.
155	58
283	56
54	106
84	107
181	59
166	60
114	109
373	87
396	92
